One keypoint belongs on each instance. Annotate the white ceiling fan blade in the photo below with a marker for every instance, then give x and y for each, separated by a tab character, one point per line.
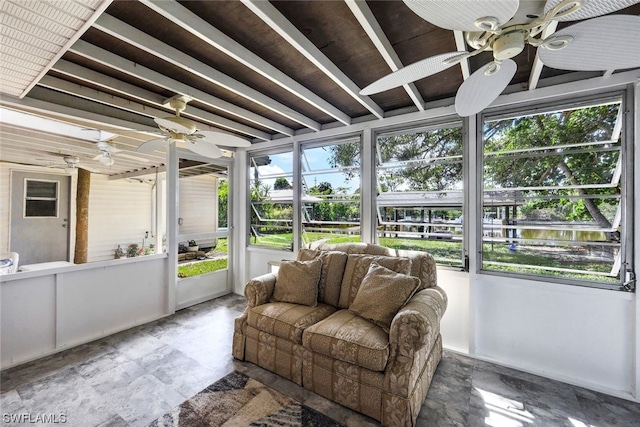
600	44
590	8
480	89
98	157
153	145
462	14
204	148
176	124
416	71
130	157
222	138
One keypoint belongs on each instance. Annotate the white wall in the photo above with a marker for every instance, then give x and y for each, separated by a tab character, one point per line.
198	204
576	334
5	203
119	214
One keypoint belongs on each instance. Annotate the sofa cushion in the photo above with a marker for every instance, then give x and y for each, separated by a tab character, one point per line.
382	293
333	263
350	338
298	282
286	320
358	266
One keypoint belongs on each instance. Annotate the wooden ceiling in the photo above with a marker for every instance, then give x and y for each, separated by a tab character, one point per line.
262	70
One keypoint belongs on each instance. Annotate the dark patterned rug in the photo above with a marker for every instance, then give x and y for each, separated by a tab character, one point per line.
238	401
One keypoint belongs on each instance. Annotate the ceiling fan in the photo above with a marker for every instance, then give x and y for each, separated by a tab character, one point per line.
605	43
108	152
182	130
70	163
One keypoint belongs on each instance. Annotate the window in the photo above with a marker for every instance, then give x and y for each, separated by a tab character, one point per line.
271	200
553	186
331	192
420	191
41	199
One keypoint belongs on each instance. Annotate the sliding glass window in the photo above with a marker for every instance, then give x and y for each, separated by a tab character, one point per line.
553	186
271	199
420	191
330	196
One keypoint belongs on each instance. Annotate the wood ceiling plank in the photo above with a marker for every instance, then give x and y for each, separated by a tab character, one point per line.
128	90
212	36
367	20
270	15
143	41
140	72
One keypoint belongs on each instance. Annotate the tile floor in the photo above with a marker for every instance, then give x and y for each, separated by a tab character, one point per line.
132	378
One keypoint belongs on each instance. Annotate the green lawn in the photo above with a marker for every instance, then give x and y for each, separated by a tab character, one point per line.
444	250
201	267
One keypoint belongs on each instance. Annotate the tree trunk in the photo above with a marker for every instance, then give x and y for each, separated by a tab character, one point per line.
588	203
82	217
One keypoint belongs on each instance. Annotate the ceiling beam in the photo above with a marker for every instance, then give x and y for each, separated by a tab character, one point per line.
145	42
368	21
536	67
69	114
461	45
108	99
138	71
189	21
272	17
131	91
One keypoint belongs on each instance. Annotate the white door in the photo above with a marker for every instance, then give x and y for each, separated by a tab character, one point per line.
40	217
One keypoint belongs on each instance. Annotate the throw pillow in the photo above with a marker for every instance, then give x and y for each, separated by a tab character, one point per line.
298	282
333	263
382	293
358	266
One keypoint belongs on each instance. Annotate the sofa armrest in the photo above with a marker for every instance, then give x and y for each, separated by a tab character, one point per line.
418	322
259	289
414	331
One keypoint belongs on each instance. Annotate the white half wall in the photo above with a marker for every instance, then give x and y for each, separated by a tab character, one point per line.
455	323
43	312
579	335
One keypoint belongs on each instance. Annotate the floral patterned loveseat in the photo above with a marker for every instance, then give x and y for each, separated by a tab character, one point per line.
327	348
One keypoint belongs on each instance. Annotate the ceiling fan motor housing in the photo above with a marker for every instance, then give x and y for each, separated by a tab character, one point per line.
508	45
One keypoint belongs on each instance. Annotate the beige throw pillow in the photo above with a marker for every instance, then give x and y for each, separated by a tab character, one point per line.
333	263
298	282
358	266
382	294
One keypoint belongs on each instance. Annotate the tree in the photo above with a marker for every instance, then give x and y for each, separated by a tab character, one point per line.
557	166
282	184
424	159
223	203
322	188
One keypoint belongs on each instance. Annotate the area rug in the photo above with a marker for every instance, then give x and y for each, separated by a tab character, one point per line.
238	401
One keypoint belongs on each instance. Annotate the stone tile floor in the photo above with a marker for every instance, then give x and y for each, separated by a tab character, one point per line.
133	377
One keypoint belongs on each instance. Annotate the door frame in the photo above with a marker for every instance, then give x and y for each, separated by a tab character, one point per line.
196	289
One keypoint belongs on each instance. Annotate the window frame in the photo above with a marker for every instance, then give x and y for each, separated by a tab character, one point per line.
428	126
307	145
626	179
27	198
282	149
